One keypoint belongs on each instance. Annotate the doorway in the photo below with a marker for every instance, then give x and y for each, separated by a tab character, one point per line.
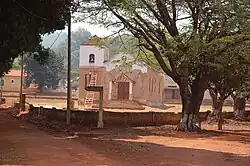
123	91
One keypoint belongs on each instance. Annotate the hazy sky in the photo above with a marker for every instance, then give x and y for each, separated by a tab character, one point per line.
101	31
94	29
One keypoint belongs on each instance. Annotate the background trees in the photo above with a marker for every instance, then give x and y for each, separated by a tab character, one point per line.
228	77
46	72
240	96
185	53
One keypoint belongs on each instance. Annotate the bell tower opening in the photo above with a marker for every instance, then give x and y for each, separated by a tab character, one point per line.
91	58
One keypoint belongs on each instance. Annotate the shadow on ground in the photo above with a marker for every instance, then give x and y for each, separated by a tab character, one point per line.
124	132
138	153
110	143
145	153
242	136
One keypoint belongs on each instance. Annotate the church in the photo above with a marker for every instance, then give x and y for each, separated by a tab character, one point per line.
135	83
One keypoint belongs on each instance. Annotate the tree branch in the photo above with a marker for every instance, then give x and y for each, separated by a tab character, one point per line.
138	33
149	27
174	10
168	21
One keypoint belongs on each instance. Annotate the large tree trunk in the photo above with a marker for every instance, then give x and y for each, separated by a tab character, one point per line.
191	103
217	111
217	105
239	108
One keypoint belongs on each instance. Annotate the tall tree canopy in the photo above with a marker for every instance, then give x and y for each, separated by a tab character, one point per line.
187	50
24	21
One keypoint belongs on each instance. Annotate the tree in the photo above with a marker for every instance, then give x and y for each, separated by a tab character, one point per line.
185	53
16	65
45	73
240	96
228	77
23	23
126	44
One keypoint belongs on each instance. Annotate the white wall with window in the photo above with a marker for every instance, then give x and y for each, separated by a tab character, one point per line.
91	56
12	81
117	59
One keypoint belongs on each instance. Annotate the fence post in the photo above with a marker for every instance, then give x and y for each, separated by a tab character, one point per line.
22	103
39	111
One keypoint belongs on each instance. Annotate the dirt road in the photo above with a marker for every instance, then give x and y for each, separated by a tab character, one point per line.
22	143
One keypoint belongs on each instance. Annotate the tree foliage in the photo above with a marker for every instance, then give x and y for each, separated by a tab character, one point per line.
231	74
128	45
240	95
228	77
185	53
45	73
16	65
24	21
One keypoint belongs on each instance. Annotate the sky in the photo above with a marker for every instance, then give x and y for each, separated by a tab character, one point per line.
94	29
102	31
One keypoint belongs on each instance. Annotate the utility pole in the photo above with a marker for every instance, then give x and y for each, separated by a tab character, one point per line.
2	84
21	84
68	116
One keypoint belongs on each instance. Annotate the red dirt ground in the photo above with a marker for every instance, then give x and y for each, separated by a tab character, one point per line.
22	143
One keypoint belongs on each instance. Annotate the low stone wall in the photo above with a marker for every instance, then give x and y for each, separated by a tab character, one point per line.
115	118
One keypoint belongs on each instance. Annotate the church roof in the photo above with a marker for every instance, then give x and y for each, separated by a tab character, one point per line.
123	78
88	42
15	73
94	41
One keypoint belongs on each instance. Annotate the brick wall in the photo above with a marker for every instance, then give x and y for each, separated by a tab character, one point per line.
115	118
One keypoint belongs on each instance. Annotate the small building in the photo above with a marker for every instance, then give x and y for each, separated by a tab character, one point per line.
12	81
172	93
134	82
171	89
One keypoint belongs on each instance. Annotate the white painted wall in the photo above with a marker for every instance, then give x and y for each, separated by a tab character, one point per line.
169	82
207	95
144	69
101	55
84	56
110	66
